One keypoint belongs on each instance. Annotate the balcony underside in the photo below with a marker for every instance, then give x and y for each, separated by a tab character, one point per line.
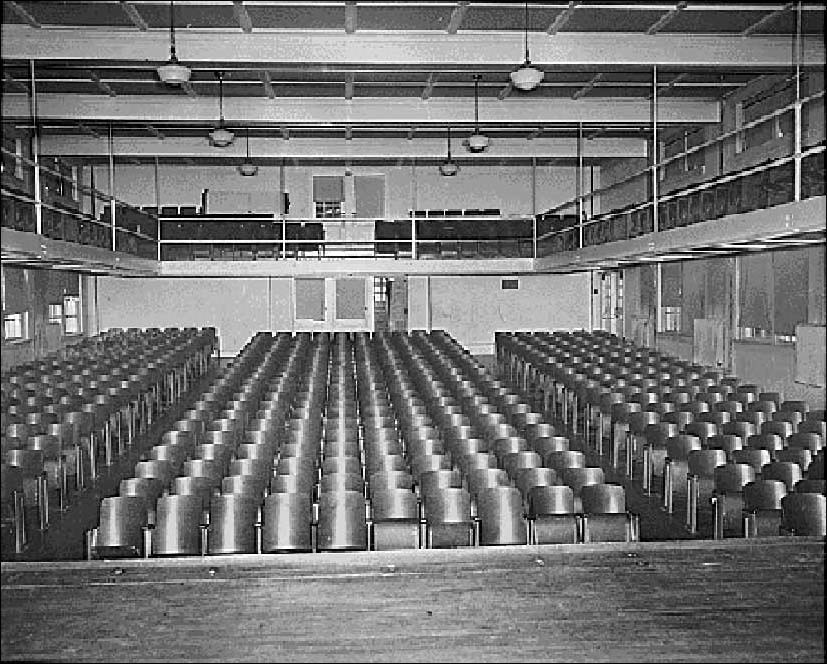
31	250
789	225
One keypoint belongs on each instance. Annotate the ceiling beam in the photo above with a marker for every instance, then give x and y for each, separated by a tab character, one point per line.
242	17
351	18
134	15
766	19
425	50
349	80
152	130
429	86
160	109
561	19
187	87
585	89
104	87
13	82
267	82
22	13
503	94
664	20
384	148
457	16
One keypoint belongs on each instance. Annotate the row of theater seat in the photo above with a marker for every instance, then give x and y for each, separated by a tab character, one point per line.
66	417
743	457
353	443
764	189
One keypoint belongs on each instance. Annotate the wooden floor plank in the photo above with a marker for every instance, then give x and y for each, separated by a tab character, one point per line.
738	600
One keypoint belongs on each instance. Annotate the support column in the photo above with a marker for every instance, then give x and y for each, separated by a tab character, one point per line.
38	197
797	106
534	206
112	185
579	185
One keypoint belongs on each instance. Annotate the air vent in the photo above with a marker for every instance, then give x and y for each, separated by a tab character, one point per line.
511	284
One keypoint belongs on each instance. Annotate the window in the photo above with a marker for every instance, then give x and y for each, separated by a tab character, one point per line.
671	284
71	314
774	294
16	326
328	196
55	314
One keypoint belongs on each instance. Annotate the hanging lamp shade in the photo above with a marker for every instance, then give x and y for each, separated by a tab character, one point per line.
477	142
172	72
449	167
247	168
221	137
527	77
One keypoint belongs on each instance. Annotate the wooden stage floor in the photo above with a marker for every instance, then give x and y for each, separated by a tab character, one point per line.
690	601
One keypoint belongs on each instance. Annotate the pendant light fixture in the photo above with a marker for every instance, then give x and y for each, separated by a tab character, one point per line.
173	72
526	77
221	137
247	168
449	167
477	142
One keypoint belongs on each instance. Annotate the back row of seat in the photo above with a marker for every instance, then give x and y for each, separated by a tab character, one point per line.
689	432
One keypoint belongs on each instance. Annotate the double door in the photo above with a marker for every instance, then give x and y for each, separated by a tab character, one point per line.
333	304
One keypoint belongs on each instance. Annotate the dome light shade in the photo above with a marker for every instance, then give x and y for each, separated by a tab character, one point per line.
173	73
478	142
248	169
448	168
221	137
526	77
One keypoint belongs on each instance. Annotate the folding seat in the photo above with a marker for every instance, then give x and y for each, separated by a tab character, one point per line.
341	481
552	516
788	472
247	484
342	524
727	442
435	480
560	460
792	418
394	520
30	463
486	478
771	442
500	516
804	514
755	457
579	477
12	505
180	527
700	478
233	524
762	507
728	498
741	429
122	521
702	430
148	488
676	466
448	522
605	518
528	478
798	455
811	486
212	469
814	426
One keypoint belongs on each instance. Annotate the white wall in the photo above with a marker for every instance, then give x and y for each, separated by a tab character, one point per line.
472	309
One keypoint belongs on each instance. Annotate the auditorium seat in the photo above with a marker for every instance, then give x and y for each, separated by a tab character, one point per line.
552	516
762	507
804	514
605	518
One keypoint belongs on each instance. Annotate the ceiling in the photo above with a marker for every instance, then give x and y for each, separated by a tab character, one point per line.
391	72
